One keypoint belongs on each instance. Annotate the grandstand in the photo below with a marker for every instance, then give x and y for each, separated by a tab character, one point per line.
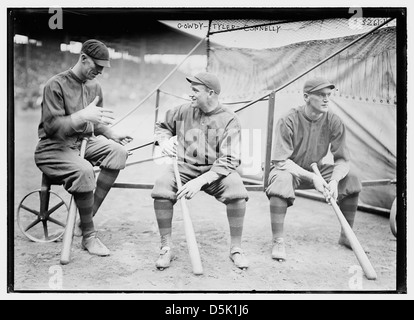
152	47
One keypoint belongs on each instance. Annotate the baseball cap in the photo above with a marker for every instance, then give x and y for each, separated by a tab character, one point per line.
316	84
208	79
98	52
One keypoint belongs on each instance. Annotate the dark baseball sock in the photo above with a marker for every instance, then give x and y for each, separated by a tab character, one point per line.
84	202
164	213
349	206
278	208
104	183
235	214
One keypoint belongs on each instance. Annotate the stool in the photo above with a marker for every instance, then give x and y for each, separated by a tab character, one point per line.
34	209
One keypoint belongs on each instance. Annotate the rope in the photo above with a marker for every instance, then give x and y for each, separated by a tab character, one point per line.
162	82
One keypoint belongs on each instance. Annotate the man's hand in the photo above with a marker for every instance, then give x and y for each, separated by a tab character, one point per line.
191	188
320	185
97	115
169	147
120	138
333	189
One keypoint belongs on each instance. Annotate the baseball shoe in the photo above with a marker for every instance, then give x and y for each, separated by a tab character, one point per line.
278	250
77	232
94	245
164	260
238	257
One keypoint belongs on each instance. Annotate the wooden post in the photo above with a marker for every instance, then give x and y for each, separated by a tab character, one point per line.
269	138
157	106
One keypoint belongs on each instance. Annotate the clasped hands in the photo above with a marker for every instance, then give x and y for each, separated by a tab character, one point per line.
329	190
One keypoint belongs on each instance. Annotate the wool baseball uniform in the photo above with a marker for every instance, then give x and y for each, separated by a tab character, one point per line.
207	142
57	152
303	141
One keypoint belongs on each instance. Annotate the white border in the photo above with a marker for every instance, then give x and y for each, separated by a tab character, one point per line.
193	4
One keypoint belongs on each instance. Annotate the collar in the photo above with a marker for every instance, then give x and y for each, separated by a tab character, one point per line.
73	75
216	110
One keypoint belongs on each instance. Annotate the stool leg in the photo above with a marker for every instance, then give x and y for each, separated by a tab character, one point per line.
44	203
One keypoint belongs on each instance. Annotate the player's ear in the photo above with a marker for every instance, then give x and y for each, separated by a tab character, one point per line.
83	58
306	97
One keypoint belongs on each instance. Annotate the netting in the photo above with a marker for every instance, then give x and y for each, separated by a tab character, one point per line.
264	56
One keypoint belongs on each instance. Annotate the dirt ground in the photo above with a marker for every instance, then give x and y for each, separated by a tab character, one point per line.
127	225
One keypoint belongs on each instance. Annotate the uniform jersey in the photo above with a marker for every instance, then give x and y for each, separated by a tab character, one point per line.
63	95
204	139
306	141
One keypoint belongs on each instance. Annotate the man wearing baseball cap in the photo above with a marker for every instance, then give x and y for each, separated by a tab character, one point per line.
207	146
72	108
303	136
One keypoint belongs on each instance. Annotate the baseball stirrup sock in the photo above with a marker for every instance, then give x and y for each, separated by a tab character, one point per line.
349	206
104	183
235	214
164	214
278	208
84	202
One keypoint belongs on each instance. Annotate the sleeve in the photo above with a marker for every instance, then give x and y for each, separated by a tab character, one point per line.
166	128
283	149
229	157
54	118
339	150
283	140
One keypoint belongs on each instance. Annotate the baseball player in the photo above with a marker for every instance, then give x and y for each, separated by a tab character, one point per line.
71	110
208	151
303	136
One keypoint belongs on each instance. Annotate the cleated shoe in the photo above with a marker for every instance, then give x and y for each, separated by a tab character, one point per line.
164	260
278	250
238	257
94	245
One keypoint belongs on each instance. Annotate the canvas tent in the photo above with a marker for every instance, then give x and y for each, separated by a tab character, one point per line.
364	75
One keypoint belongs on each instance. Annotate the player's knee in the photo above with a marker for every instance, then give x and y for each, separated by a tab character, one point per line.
119	151
281	177
86	173
352	183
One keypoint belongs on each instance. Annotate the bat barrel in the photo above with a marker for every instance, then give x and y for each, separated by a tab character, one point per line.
71	220
353	240
189	230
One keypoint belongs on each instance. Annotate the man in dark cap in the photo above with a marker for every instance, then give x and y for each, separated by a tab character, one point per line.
302	137
207	146
72	109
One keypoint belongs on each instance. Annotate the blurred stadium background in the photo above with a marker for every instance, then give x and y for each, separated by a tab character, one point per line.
252	57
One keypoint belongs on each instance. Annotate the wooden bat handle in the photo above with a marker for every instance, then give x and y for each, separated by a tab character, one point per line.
349	233
189	230
70	220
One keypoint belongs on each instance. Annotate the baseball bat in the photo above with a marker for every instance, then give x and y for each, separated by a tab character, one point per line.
349	233
189	230
70	220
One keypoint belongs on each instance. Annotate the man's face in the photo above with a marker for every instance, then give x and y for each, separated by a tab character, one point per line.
200	95
91	69
319	100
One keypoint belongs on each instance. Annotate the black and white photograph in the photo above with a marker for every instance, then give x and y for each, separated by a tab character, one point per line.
207	150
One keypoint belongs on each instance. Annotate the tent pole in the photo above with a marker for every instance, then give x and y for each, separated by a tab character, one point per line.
269	138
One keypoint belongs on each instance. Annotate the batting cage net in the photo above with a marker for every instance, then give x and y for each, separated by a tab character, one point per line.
253	58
